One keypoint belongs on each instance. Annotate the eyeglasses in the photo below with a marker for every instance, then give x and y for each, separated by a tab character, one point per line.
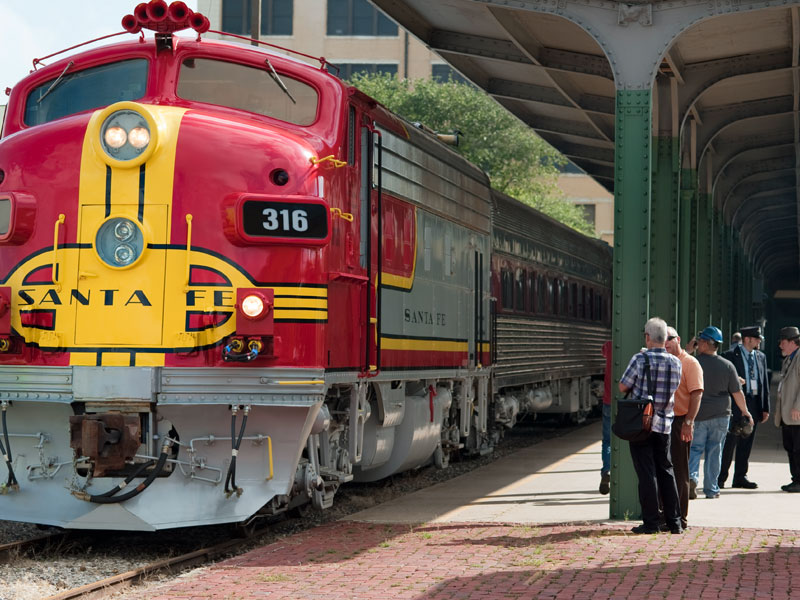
671	337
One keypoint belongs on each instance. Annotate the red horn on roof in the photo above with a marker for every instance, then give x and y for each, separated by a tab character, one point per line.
199	23
131	24
179	13
140	12
157	10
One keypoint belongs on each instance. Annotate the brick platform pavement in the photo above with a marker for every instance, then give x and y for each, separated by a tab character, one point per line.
469	561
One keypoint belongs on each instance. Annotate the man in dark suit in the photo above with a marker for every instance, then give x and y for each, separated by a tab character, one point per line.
751	365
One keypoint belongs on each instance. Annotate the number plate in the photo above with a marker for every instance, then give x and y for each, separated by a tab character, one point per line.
271	219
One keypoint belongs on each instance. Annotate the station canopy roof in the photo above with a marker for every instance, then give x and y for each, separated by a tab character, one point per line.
738	88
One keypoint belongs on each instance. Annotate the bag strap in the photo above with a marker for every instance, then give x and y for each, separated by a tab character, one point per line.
650	386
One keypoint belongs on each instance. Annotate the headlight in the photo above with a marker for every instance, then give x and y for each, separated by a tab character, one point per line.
119	242
253	306
139	137
125	134
115	137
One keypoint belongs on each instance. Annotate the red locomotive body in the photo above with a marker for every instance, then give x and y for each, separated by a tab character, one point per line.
194	232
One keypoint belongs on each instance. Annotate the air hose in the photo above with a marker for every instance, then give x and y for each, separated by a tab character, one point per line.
12	482
110	496
230	479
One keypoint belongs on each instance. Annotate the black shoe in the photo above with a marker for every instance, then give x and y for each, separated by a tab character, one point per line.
692	490
745	483
784	487
792	488
640	529
676	530
605	483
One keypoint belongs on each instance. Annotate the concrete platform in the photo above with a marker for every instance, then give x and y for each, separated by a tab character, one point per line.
556	482
483	536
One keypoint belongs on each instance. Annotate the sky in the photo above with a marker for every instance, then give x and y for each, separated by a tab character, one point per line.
34	28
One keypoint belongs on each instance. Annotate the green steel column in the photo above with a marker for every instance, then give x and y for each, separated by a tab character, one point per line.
726	298
715	269
737	285
631	268
724	283
705	237
664	231
687	252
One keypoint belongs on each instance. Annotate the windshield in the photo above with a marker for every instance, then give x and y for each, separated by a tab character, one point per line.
76	91
248	88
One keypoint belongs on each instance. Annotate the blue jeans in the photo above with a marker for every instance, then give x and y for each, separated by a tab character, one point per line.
606	448
709	436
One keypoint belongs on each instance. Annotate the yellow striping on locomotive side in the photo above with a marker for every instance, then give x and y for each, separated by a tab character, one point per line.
428	345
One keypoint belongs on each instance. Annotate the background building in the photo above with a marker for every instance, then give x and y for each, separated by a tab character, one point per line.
346	32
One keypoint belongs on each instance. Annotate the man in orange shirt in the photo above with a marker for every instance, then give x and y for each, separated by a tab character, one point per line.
687	403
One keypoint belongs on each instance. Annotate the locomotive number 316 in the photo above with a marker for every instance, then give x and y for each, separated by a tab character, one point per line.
285	219
276	219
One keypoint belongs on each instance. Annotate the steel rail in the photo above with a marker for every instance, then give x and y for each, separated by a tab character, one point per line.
23	546
183	561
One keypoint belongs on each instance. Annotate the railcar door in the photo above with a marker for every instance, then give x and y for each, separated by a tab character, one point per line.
370	244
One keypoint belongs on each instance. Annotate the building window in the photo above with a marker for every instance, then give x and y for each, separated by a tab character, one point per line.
276	16
589	213
347	70
358	17
445	73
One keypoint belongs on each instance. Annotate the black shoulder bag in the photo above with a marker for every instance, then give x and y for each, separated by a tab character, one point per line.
634	419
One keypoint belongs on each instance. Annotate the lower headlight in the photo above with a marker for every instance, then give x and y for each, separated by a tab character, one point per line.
119	242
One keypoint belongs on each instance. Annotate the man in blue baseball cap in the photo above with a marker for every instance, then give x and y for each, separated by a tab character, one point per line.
711	423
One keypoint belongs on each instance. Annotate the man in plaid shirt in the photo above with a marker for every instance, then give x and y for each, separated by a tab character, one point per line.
651	458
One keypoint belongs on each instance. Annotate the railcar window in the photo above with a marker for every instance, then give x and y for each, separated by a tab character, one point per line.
519	290
247	88
506	288
532	292
541	282
76	91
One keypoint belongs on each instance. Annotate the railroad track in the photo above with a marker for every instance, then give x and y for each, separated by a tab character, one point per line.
22	547
172	564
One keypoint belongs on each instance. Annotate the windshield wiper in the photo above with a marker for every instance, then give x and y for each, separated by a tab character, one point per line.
56	82
277	79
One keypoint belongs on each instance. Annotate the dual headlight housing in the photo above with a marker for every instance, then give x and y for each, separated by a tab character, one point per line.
125	136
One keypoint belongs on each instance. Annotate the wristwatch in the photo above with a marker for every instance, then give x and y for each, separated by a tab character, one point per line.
689	422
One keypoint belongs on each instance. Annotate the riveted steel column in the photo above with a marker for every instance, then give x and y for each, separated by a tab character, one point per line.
705	237
716	269
728	289
664	231
664	207
736	285
631	268
687	256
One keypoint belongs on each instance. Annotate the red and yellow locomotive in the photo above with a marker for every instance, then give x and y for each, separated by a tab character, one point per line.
229	283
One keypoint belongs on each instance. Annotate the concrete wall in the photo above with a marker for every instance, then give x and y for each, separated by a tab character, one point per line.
583	190
309	35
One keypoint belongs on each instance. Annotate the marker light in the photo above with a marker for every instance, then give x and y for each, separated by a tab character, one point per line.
119	242
253	306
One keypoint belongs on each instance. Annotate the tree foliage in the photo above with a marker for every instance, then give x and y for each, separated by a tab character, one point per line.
518	162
